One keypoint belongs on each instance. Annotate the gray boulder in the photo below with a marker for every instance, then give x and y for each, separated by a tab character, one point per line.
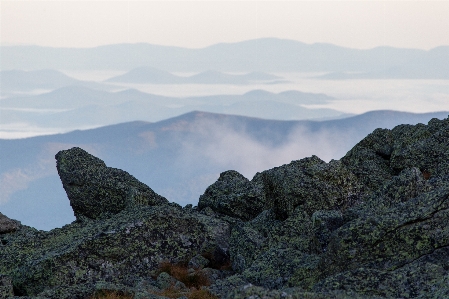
234	195
95	190
311	184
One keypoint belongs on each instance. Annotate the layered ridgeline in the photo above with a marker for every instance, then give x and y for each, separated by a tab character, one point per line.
374	224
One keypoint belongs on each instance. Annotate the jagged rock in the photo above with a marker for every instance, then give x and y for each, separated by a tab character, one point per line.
95	190
384	153
122	248
421	146
373	225
7	225
389	246
234	195
369	159
310	183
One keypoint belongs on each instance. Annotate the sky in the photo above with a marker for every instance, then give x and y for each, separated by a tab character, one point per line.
358	24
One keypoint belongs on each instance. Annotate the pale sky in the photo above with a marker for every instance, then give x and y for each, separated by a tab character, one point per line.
195	24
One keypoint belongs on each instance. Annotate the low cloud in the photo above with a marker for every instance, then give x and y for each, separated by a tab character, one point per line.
230	148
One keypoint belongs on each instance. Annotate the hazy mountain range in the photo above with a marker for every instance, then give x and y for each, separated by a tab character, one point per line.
75	107
13	81
156	76
267	54
433	64
178	157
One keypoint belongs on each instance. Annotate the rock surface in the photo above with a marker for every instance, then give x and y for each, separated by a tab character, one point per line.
7	225
374	224
95	190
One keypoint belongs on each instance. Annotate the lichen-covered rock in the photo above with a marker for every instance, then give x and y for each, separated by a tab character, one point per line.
95	190
198	262
256	292
369	159
373	225
122	248
222	287
310	183
7	225
274	268
393	240
384	153
234	195
421	146
6	289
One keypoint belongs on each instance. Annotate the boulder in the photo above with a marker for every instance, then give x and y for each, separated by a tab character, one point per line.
234	195
123	249
7	225
95	190
311	184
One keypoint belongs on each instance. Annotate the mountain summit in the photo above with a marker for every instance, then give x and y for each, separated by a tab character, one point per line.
373	224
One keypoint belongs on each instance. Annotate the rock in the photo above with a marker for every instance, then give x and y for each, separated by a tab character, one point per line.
121	249
198	262
212	275
6	289
373	225
310	183
222	287
256	292
234	195
7	225
369	160
165	281
389	246
384	153
421	146
274	268
95	190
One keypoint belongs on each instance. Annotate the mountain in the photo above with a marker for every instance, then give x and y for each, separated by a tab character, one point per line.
147	75
151	75
17	81
266	54
214	77
177	157
430	65
373	224
74	107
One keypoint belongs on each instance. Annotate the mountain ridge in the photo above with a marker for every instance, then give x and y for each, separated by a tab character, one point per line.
255	55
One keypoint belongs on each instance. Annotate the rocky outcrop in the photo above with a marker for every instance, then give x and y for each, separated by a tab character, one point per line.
234	195
95	190
7	225
374	224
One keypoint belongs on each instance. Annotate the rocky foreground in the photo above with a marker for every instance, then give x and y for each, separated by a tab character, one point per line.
374	224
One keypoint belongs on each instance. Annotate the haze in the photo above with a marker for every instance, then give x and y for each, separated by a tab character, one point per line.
354	24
